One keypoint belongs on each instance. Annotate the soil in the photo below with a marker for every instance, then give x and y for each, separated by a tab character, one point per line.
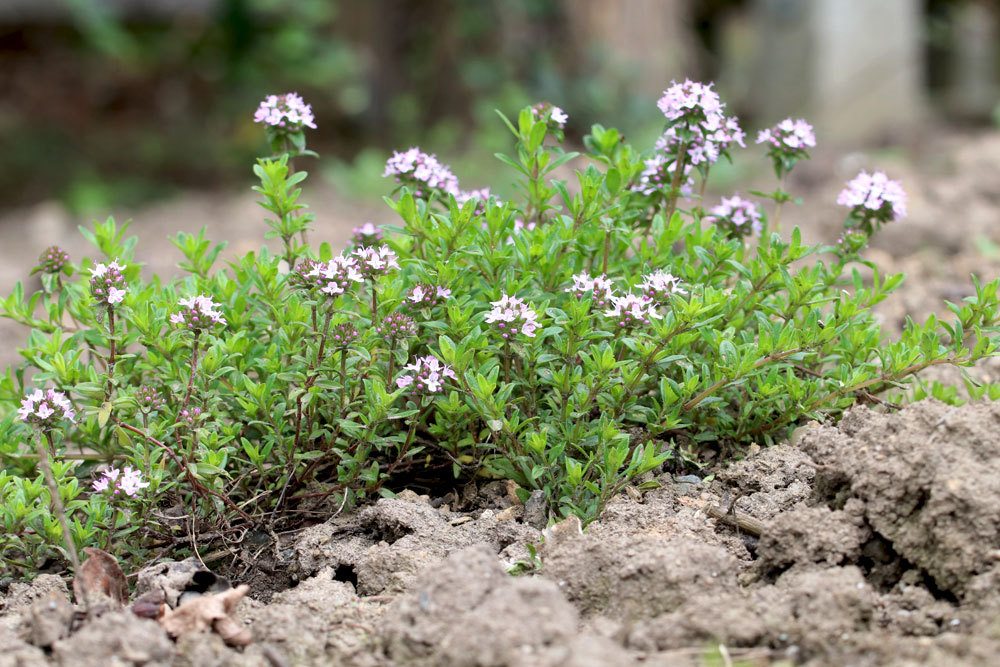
872	542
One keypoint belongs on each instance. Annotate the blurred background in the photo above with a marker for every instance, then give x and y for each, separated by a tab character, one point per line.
143	108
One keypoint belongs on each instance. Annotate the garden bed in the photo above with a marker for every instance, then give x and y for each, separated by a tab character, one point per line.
877	545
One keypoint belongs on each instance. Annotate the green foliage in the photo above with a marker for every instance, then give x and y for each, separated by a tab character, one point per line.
283	414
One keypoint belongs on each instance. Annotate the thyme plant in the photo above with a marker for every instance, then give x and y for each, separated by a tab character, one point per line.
604	324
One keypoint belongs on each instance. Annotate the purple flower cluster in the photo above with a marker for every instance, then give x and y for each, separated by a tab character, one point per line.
692	103
343	334
512	315
427	296
374	262
736	216
397	326
551	114
427	375
792	136
198	314
52	260
422	172
148	399
704	144
698	134
874	197
128	481
287	112
107	284
787	142
333	278
660	286
191	416
366	234
44	408
659	174
632	310
598	289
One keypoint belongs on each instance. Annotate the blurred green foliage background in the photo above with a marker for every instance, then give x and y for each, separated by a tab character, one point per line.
120	101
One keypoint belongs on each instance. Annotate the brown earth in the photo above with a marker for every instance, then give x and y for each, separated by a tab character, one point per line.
879	544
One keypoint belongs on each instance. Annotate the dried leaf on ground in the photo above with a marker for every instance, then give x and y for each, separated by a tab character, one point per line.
209	612
100	573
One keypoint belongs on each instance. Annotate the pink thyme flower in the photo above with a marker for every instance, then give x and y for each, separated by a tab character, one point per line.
511	314
45	408
397	326
343	334
551	114
374	262
191	416
52	260
660	286
632	310
702	145
692	103
598	289
107	284
128	481
366	234
425	296
427	375
787	142
131	482
738	217
791	135
333	278
197	314
874	197
289	112
423	172
659	175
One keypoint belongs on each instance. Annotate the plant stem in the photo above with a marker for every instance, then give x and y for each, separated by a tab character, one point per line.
343	380
374	304
675	184
112	354
718	384
194	370
199	488
60	511
392	362
607	251
506	361
777	205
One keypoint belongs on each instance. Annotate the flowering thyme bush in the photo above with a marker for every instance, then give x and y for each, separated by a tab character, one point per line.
571	340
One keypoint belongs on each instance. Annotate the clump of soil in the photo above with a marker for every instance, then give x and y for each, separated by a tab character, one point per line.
873	542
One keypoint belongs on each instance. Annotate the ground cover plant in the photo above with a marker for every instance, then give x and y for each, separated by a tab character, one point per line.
607	323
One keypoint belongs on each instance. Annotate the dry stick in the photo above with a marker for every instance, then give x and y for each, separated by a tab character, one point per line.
200	488
747	524
60	511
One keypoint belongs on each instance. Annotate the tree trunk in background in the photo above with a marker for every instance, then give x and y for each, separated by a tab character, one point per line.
647	41
855	67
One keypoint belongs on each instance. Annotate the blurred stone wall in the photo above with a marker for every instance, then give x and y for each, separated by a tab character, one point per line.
855	67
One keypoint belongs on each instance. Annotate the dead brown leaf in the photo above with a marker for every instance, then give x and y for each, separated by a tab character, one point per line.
100	573
209	612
